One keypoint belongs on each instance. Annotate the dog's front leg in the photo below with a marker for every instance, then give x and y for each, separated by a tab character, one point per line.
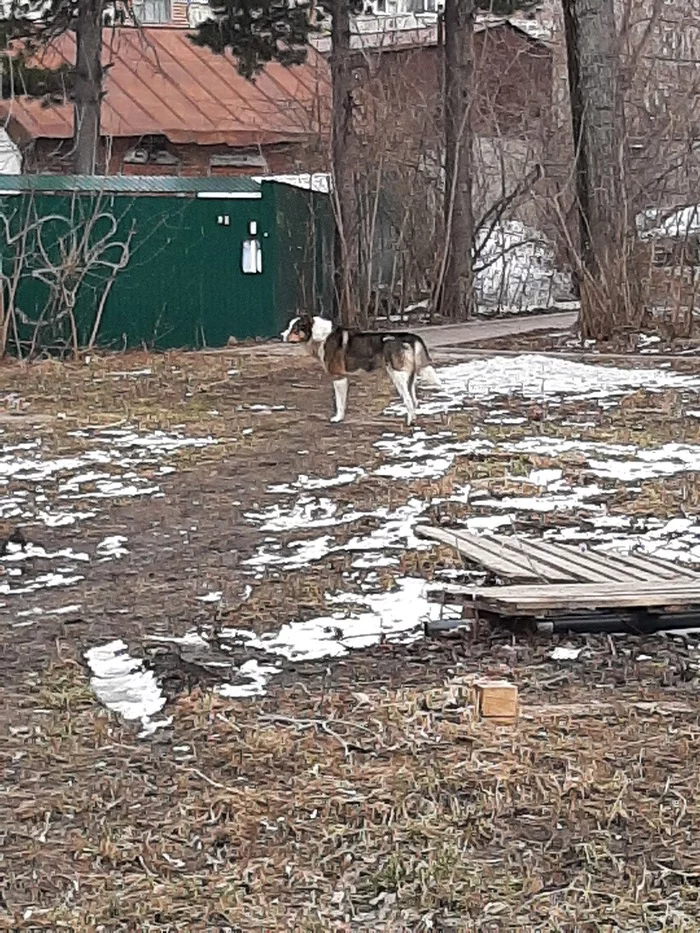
340	391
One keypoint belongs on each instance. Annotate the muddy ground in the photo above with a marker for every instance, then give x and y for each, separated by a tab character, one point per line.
356	791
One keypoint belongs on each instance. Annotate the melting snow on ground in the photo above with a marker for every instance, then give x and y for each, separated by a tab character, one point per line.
117	463
300	519
544	378
359	622
39	489
561	653
125	686
255	676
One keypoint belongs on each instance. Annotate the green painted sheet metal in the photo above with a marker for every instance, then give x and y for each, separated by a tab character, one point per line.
184	285
304	229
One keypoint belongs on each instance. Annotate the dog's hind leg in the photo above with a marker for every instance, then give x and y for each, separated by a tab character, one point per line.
429	377
412	388
402	380
340	391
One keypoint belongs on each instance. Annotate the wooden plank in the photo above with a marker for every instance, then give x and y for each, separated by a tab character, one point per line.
602	560
487	553
515	600
571	561
571	589
672	588
658	566
616	566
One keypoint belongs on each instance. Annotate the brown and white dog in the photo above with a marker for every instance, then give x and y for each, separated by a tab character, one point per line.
341	351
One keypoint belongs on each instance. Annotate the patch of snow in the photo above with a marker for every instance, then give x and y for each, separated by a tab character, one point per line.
395	531
551	503
130	372
31	615
667	460
125	686
214	597
59	519
344	476
112	548
544	478
44	581
371	618
374	559
423	455
303	553
660	224
538	377
561	653
16	552
87	474
305	512
263	409
257	676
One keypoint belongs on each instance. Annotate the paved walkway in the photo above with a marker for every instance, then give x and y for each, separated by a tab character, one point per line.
452	335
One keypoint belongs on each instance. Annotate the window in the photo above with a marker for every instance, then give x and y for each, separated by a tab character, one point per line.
148	12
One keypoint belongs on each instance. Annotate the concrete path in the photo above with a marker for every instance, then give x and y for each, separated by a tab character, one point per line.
453	335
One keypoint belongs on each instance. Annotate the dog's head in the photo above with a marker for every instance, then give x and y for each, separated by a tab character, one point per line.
300	329
305	328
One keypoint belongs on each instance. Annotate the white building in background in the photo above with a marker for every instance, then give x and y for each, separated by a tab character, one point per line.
10	158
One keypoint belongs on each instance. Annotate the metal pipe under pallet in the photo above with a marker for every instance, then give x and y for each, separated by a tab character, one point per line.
627	623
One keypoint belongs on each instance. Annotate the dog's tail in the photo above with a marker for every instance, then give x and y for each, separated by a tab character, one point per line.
424	365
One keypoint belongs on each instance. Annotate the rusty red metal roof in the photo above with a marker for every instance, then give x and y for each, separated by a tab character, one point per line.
159	83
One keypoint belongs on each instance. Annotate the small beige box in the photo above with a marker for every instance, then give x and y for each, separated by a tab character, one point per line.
496	699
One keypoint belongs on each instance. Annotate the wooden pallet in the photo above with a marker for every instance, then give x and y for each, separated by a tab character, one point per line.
563	589
524	560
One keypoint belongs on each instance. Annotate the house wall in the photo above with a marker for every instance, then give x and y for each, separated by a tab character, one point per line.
513	86
54	156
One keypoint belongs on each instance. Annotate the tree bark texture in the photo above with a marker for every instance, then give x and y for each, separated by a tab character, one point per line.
88	86
458	281
344	200
606	227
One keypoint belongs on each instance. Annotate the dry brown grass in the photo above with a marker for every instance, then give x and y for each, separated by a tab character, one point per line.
359	794
364	807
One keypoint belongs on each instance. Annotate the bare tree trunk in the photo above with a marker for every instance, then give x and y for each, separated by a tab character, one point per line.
345	245
88	86
458	281
597	110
